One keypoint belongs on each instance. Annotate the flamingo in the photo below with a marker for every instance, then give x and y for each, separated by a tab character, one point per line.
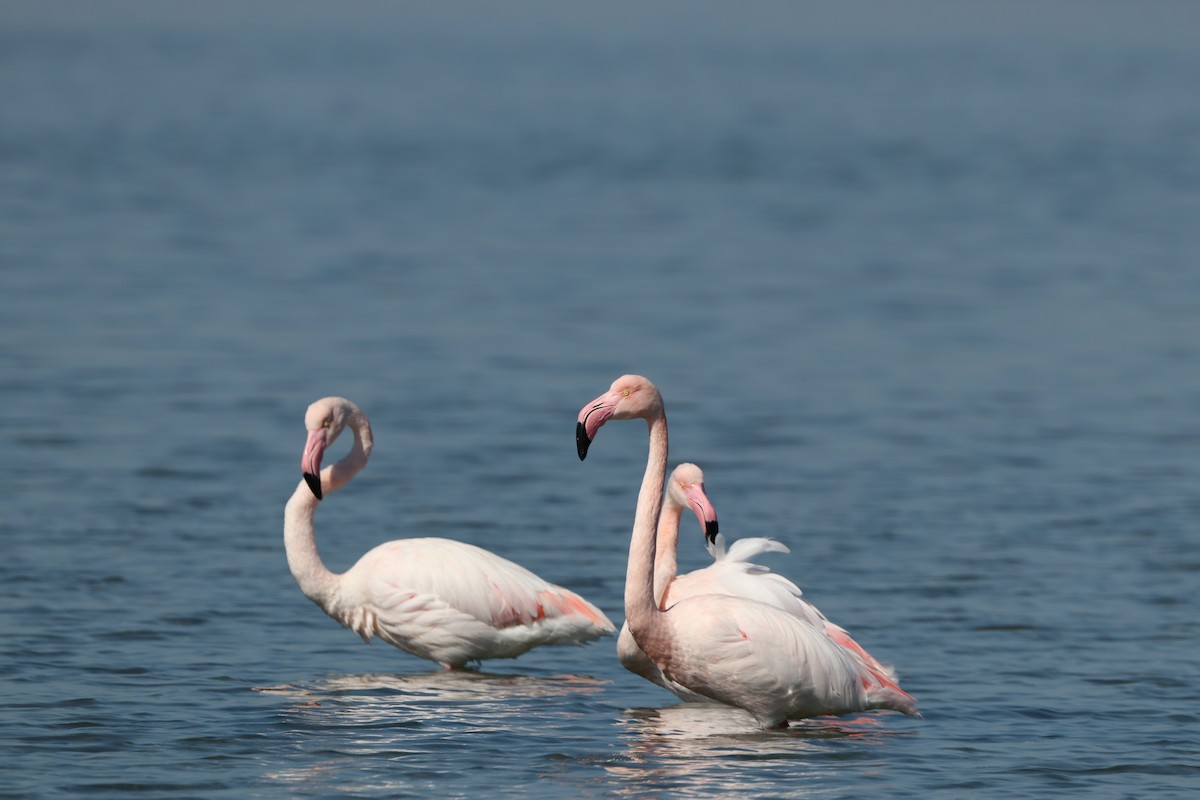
439	599
731	573
731	649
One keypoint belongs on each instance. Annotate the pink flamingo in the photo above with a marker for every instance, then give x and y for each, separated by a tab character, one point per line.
734	650
439	599
731	573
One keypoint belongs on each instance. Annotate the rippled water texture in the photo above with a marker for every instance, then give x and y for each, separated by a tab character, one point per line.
919	286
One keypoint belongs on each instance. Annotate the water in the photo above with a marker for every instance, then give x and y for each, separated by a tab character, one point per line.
919	288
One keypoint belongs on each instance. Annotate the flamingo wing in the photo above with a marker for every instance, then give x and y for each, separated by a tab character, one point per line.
734	574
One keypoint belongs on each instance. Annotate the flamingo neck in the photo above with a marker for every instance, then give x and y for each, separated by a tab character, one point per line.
665	551
641	612
300	542
317	582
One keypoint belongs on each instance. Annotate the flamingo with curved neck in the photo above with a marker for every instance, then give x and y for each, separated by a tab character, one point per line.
443	600
731	649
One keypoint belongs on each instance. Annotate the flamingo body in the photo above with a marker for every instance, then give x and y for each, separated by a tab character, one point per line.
454	603
439	599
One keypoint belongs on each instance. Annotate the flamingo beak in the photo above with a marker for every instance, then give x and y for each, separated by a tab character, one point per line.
310	462
704	511
591	417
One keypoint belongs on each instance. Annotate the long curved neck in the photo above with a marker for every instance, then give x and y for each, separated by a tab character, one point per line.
640	610
299	534
665	558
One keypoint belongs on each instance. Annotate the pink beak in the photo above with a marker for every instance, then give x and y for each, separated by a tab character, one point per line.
699	502
591	417
310	462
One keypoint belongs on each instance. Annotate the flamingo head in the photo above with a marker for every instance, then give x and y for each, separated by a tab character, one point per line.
685	489
325	421
629	397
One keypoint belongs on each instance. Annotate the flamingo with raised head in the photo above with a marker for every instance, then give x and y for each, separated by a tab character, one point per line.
732	572
734	650
447	601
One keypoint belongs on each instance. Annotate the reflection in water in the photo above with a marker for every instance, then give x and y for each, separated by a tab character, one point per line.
691	749
437	685
417	720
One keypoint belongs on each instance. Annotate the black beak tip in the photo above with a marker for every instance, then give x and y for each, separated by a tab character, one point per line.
582	442
314	483
710	531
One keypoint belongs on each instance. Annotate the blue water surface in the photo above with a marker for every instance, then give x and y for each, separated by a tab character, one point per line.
919	284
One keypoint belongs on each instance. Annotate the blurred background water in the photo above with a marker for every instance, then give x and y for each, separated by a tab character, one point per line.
918	282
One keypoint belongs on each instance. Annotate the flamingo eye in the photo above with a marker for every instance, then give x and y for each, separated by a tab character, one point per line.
625	393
